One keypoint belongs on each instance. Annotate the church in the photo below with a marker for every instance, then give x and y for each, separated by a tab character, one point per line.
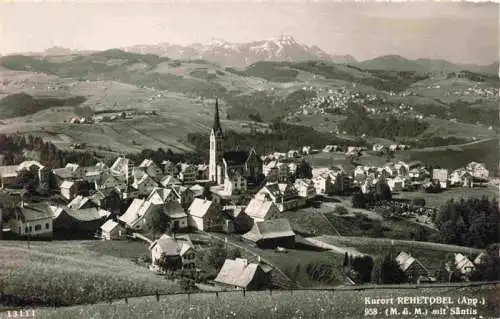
233	169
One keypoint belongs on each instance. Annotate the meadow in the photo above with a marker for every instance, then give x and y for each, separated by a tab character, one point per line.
279	304
68	273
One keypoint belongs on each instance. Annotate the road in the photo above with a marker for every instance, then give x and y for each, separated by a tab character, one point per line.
388	241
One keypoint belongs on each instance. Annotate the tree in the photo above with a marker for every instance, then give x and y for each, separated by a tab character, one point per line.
489	266
390	272
217	256
358	200
304	170
234	253
382	191
418	201
157	221
364	266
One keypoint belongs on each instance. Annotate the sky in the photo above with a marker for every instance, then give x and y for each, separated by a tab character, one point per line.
458	32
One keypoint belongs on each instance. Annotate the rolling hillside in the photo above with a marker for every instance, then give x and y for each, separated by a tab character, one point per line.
181	92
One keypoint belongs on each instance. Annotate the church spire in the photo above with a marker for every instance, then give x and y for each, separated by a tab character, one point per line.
217	127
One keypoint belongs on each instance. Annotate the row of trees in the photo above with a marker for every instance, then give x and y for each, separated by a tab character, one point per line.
473	222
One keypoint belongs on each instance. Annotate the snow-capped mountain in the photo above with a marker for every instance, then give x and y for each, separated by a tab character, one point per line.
282	48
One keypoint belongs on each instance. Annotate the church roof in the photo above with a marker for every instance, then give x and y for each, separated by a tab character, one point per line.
235	157
217	128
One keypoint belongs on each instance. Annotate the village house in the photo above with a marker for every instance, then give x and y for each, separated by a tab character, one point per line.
149	167
174	253
239	274
478	171
464	265
262	209
396	184
111	230
8	175
136	215
277	171
78	220
412	268
204	215
461	178
272	233
306	150
188	173
32	220
161	196
234	182
144	184
177	218
323	184
185	196
292	154
122	168
305	188
68	189
285	196
170	168
112	182
169	181
236	220
440	175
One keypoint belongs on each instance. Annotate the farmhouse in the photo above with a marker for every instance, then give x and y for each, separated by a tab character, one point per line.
262	209
177	218
112	182
285	196
440	175
74	222
188	173
122	168
323	184
111	230
463	264
272	233
144	184
149	167
412	268
238	273
162	195
170	168
203	215
478	171
305	188
136	214
172	253
185	195
8	175
32	220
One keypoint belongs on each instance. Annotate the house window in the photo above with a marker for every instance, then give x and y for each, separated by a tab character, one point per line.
31	229
26	230
38	227
47	226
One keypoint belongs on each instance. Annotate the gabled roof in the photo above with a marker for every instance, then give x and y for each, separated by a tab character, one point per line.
135	211
143	179
67	184
120	164
72	167
87	214
147	163
170	180
109	225
258	208
272	228
237	273
8	171
31	212
273	188
79	201
172	247
160	195
197	189
462	261
199	207
405	261
63	172
173	209
29	164
235	157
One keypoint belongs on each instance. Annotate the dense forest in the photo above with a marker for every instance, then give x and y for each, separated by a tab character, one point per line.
281	138
13	147
473	222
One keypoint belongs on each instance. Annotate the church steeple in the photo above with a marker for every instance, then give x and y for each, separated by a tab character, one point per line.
217	128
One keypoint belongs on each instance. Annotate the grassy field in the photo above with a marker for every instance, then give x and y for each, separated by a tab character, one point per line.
299	304
430	254
438	199
74	272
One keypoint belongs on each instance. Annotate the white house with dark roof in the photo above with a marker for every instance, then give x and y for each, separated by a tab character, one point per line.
305	188
176	252
32	220
238	273
441	175
284	195
323	184
177	218
111	230
478	171
150	168
204	214
262	209
136	215
188	173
